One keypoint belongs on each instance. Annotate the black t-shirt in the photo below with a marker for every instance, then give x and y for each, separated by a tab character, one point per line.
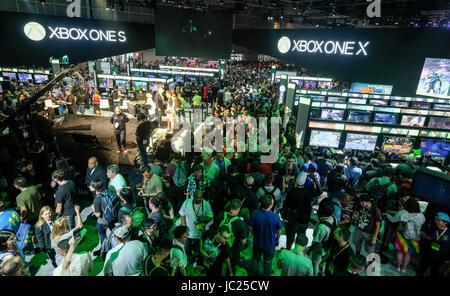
152	269
143	131
223	253
238	226
300	199
251	200
340	258
67	195
336	182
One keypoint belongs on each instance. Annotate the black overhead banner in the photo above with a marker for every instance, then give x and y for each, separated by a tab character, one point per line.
30	39
384	56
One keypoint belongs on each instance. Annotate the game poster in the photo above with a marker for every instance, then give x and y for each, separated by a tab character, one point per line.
435	78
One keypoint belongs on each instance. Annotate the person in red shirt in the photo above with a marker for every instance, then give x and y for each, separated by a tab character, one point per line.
96	103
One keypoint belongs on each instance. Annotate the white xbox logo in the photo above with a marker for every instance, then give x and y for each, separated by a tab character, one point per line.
34	31
284	44
282	88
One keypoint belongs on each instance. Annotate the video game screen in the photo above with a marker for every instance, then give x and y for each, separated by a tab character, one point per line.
192	78
378	102
151	75
332	114
417	121
38	78
123	84
12	76
439	122
441	107
385	118
309	84
179	78
324	138
361	142
336	99
399	104
140	74
431	188
420	105
138	85
163	76
318	98
296	81
25	77
360	117
435	78
435	148
357	101
324	85
397	145
105	83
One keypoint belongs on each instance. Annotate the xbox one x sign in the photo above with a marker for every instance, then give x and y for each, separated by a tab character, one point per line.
37	32
323	47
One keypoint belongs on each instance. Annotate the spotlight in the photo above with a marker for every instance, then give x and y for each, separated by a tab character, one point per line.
42	2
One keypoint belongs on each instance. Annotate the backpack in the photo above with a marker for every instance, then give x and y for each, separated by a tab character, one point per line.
138	215
107	244
271	193
111	206
379	191
332	226
179	178
228	219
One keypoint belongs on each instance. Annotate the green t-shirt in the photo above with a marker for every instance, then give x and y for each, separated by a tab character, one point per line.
406	170
182	102
196	100
29	198
392	189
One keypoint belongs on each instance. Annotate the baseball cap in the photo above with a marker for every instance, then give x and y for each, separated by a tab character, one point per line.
443	216
157	170
121	232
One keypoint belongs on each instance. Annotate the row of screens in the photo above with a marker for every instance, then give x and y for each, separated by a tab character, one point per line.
177	78
23	77
125	84
311	84
396	145
375	102
383	118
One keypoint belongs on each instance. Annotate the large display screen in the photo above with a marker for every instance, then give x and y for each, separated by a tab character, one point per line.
435	78
190	33
25	77
435	148
309	84
439	122
123	84
105	83
332	114
337	99
361	117
357	101
378	102
324	85
417	121
12	76
296	81
385	118
399	104
368	88
361	142
432	188
397	145
38	78
324	139
420	105
441	107
138	85
318	98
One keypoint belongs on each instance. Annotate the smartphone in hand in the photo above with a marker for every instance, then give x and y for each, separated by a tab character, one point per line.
77	234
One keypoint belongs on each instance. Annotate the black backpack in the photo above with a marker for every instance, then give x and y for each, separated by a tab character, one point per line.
271	193
378	191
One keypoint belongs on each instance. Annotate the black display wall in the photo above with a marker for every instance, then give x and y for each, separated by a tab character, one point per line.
394	55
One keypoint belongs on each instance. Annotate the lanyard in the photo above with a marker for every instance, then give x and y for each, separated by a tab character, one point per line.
198	211
342	250
438	237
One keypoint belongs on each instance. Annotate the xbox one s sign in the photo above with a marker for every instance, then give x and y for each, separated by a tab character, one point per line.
323	47
37	32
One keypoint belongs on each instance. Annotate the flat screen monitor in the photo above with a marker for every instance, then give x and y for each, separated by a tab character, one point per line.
164	76
357	101
385	118
441	107
179	78
39	78
324	85
138	85
151	75
399	104
378	102
361	142
361	117
420	105
140	74
324	138
439	123
435	78
296	81
432	186
329	114
12	76
318	98
309	84
123	84
416	121
435	148
192	78
336	99
105	83
25	77
397	145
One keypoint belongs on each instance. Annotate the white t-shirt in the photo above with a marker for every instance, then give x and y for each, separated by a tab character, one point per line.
118	182
187	209
130	259
80	265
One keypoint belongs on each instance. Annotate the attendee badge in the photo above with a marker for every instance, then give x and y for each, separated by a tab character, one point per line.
436	247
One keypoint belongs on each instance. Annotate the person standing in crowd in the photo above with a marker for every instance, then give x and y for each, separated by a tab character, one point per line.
269	189
152	185
294	262
180	108
66	198
28	201
338	256
116	181
266	227
324	166
119	120
178	254
154	264
99	207
43	231
96	103
197	180
352	171
95	171
159	101
73	264
142	137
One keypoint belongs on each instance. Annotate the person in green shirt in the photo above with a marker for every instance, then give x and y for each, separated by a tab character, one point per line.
408	169
181	102
388	173
27	201
196	100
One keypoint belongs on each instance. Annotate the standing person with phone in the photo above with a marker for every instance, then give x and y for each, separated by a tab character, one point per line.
73	264
119	120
